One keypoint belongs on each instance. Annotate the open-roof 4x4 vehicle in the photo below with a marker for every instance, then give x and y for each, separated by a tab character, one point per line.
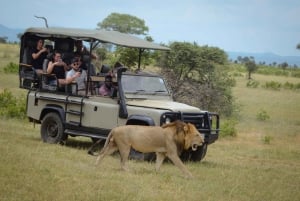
140	98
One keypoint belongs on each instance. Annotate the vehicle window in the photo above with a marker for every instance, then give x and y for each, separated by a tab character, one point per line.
143	84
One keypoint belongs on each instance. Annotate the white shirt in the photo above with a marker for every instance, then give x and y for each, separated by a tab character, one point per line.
79	80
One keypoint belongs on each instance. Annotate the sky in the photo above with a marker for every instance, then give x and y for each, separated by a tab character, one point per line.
254	26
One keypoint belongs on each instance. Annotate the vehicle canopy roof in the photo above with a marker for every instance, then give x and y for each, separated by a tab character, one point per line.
91	35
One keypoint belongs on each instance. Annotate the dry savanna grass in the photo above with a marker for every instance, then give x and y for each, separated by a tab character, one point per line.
244	168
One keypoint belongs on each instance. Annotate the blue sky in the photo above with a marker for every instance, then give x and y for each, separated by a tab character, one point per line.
232	25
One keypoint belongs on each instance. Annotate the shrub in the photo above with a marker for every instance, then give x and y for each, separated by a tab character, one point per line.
11	106
288	85
262	115
297	86
272	85
228	128
252	84
11	68
267	139
281	73
295	74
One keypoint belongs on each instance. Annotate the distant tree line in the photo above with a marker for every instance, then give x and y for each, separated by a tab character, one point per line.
4	39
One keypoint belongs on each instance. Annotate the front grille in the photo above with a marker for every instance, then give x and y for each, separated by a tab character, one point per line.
200	120
205	122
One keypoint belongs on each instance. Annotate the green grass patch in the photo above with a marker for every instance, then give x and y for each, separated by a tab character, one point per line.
252	84
262	115
12	106
11	68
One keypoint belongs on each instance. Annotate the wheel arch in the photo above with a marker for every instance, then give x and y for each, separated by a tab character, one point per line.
140	120
53	108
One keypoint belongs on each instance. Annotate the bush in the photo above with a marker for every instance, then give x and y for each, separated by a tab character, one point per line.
228	128
281	73
267	139
272	85
252	84
296	74
11	106
288	85
11	68
262	115
297	86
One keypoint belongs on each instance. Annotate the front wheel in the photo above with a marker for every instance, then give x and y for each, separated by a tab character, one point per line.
199	154
52	129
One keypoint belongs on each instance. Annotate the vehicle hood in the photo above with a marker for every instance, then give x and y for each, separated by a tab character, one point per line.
166	105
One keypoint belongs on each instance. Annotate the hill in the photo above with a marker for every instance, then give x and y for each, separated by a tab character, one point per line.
268	58
11	34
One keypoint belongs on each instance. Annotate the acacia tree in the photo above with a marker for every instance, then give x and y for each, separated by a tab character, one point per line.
250	64
125	23
198	76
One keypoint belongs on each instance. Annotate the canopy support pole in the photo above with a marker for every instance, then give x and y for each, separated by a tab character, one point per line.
140	56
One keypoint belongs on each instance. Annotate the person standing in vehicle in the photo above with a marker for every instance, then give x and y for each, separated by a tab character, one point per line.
82	51
38	56
58	68
78	75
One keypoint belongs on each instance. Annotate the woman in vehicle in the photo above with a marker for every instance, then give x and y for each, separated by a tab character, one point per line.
58	68
38	56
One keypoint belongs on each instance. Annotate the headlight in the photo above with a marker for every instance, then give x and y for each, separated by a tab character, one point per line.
167	120
168	117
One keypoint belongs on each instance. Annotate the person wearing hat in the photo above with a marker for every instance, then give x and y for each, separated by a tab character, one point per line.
78	76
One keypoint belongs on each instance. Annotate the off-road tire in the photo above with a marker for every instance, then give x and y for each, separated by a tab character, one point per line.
52	129
199	154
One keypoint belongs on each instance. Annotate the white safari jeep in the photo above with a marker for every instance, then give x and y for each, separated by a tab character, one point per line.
139	98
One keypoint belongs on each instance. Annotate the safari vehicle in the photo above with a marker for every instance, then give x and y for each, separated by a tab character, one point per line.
140	98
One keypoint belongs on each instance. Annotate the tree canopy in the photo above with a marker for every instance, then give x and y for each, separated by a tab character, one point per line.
124	23
250	64
198	76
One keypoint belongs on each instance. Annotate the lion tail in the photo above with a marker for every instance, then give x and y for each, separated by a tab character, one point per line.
109	138
105	147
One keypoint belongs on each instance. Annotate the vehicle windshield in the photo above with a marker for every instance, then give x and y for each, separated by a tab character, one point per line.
137	84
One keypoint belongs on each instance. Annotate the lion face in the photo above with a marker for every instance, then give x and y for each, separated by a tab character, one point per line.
193	138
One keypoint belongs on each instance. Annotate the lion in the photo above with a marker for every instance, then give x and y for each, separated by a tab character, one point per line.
166	141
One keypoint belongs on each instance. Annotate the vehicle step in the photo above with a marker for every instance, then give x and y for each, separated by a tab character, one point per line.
85	134
74	112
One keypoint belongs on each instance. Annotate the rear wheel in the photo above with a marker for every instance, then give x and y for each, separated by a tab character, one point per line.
52	129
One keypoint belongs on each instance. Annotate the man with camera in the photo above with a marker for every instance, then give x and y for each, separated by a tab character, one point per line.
76	77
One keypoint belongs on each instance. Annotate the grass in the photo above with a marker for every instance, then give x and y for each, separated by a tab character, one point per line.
261	163
282	106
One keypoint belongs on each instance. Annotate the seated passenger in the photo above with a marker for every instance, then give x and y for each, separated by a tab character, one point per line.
58	68
38	56
78	75
106	87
